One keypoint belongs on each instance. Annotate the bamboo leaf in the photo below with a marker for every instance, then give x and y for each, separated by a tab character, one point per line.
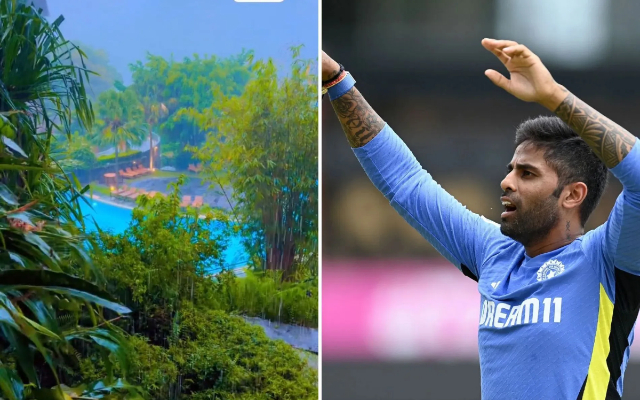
10	384
6	195
60	283
13	146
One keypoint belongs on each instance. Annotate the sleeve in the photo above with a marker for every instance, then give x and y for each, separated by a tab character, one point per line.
464	238
616	243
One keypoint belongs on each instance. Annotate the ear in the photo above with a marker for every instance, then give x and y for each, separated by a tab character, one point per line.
573	195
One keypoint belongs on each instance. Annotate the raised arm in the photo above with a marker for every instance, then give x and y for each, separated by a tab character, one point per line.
608	140
458	234
617	240
531	81
359	121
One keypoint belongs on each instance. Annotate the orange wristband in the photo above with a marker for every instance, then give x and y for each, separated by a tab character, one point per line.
335	81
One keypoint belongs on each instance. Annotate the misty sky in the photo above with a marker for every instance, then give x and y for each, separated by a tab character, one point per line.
128	29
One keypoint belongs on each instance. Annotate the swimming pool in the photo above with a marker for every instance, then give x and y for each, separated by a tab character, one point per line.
116	219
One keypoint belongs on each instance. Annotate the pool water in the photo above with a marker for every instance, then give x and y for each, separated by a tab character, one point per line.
116	220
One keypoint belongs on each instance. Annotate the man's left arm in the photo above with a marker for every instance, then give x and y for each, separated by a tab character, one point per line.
620	152
608	140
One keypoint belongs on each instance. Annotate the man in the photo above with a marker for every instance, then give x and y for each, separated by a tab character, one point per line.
558	306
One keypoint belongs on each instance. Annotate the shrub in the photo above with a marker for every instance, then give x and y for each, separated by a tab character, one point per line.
187	345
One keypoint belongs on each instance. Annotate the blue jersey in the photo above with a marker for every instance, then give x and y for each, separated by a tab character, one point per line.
555	326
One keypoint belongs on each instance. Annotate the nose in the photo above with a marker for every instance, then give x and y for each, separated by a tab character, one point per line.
508	184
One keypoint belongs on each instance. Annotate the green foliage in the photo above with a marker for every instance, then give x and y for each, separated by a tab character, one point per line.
47	315
263	144
214	355
74	152
121	120
188	84
154	367
187	344
265	295
84	157
236	360
161	259
165	255
163	90
110	157
98	188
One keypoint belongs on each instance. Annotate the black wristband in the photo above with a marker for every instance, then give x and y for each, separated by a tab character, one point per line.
335	76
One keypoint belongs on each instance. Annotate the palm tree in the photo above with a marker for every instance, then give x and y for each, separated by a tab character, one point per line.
43	259
121	121
153	112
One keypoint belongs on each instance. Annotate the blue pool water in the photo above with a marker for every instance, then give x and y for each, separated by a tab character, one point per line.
116	219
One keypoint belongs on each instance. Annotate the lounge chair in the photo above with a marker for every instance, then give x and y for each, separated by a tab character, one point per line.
138	193
186	201
134	171
198	202
122	189
128	173
127	192
138	171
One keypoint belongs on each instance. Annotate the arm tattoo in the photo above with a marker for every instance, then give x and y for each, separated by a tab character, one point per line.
359	121
609	141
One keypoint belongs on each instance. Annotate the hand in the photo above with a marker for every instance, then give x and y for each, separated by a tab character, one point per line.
329	67
530	79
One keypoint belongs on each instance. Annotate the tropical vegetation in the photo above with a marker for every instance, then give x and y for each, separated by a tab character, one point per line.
187	327
50	302
120	123
263	144
139	314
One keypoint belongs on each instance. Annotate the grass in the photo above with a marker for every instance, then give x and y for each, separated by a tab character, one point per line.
100	189
120	155
167	174
311	358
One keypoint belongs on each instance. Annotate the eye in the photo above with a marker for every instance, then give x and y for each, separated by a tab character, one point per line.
526	173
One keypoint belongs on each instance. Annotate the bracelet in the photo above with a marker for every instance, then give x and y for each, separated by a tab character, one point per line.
337	80
334	77
333	82
343	86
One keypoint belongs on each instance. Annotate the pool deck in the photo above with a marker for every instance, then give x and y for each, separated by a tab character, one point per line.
191	187
110	201
118	203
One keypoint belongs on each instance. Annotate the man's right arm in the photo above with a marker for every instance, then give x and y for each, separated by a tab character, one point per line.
458	234
358	119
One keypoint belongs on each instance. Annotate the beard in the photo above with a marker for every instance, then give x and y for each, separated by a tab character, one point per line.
532	223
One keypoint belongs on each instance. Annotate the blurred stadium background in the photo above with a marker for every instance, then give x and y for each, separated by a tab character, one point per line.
399	322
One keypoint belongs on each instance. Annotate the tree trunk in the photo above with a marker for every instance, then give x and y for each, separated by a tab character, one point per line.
280	245
117	169
150	147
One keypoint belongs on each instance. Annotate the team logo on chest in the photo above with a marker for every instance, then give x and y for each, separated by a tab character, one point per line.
550	269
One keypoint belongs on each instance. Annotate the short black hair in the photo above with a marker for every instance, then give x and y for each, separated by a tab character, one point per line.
569	155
